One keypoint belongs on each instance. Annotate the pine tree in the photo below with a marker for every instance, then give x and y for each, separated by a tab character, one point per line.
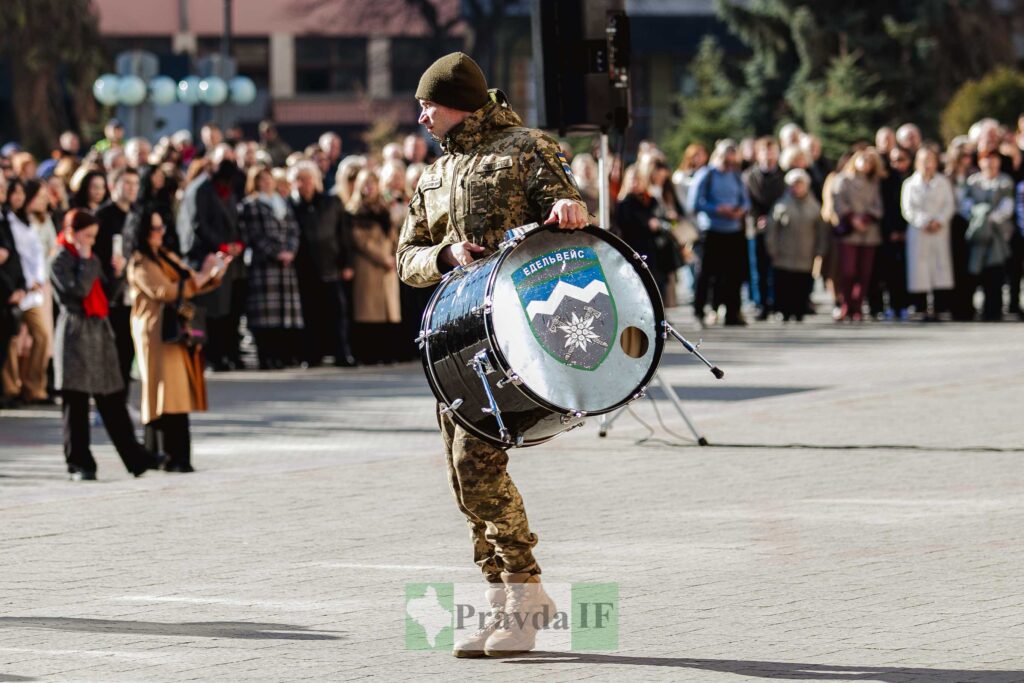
844	109
49	45
707	109
921	51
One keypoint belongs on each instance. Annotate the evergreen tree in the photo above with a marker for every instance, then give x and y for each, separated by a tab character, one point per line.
919	50
843	109
707	108
999	95
50	45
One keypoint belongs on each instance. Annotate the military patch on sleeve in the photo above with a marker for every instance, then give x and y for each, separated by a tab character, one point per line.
429	182
567	169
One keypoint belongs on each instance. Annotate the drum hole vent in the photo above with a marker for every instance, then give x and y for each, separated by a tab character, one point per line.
634	342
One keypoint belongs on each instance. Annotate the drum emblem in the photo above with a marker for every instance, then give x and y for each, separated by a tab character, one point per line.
568	304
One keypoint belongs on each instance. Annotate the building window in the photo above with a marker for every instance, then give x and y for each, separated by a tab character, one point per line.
324	65
409	58
252	56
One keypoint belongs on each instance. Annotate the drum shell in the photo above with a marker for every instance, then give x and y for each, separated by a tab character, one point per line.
464	327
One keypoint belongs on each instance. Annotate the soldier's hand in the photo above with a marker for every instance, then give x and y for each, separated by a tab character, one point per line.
461	254
569	214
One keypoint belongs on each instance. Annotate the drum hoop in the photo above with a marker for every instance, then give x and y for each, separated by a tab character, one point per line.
656	304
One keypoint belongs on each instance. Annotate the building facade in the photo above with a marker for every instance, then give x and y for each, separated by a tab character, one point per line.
317	64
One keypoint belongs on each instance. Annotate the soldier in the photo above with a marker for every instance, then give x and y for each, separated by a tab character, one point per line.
495	174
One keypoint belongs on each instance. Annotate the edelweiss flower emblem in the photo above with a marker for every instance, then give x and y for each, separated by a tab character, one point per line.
578	332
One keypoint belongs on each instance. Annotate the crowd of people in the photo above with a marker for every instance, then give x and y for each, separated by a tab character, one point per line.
899	230
179	247
157	257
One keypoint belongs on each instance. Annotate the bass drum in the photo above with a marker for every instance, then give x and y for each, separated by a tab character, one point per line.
555	326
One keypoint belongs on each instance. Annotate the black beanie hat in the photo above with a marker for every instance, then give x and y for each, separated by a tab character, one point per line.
454	81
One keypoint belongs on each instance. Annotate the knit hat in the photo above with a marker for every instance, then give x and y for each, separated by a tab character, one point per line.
454	81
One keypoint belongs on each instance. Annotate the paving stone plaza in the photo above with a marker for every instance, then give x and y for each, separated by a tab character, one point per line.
859	517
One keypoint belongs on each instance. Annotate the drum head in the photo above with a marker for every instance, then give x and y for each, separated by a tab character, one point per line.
576	320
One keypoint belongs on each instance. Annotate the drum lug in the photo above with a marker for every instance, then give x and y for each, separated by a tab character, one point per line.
457	271
424	335
573	415
481	364
519	439
514	236
446	410
485	309
642	259
511	379
640	394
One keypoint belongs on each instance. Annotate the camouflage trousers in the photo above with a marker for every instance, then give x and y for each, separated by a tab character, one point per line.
494	510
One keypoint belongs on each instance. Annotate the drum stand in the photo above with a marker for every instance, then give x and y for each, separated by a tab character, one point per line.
604	199
609	418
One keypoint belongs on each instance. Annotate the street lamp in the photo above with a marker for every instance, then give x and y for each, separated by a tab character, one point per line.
132	91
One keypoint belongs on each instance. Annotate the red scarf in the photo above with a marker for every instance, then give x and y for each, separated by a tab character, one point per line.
95	302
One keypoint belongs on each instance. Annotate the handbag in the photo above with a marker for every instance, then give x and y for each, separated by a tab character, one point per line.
844	227
183	322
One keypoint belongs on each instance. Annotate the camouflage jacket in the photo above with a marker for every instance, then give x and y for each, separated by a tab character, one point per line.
495	175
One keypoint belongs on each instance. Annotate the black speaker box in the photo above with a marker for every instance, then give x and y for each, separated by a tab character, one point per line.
575	90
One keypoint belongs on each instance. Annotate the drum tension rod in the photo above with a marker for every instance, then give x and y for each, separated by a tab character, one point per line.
446	409
668	329
481	365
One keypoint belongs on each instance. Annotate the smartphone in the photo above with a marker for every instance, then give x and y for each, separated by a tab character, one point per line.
117	242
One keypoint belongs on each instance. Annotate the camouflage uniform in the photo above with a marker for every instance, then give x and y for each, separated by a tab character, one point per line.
495	175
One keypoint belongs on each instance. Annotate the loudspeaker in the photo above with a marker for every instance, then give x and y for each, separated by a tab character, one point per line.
581	53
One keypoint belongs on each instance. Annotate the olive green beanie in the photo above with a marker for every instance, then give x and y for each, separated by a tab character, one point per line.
454	81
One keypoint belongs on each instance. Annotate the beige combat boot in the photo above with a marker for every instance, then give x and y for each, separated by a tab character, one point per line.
528	609
473	644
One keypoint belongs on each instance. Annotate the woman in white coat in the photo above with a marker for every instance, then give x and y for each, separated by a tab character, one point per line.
928	205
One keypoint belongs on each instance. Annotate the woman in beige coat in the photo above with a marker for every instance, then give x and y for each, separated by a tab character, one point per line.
172	372
376	300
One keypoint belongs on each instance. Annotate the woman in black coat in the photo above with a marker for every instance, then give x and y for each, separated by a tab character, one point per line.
641	222
85	356
12	287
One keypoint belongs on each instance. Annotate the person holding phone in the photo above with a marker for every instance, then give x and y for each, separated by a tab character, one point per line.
172	372
85	357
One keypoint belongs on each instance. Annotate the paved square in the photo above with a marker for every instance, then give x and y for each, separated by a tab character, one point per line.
859	517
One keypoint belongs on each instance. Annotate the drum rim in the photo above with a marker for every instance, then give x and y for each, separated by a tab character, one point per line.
656	303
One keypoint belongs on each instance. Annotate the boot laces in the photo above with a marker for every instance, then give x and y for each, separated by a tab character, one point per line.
492	622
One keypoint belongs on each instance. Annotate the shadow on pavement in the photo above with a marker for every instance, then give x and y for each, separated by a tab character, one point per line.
658	441
792	671
726	393
203	629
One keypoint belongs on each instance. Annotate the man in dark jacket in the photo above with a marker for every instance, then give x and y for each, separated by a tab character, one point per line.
216	230
890	271
766	184
324	267
112	214
12	287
